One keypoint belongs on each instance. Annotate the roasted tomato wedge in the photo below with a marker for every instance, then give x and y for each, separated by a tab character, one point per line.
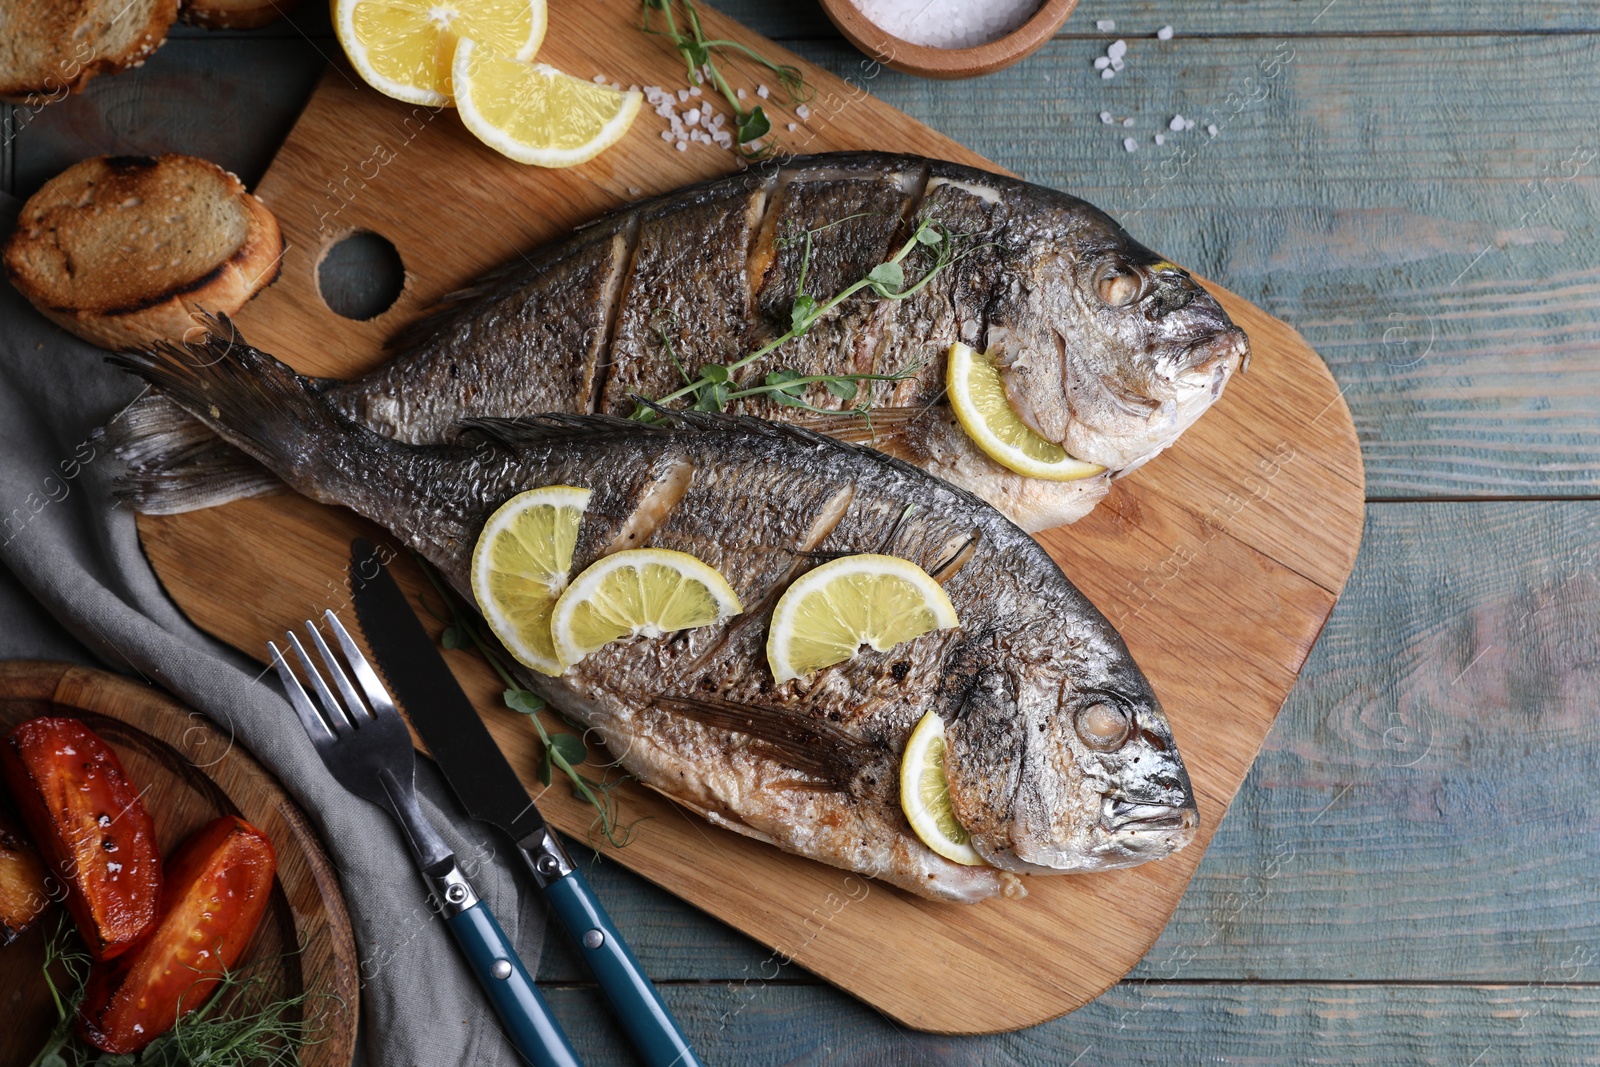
24	893
215	892
90	829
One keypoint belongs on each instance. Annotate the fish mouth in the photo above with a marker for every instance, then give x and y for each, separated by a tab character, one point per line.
1145	827
1225	347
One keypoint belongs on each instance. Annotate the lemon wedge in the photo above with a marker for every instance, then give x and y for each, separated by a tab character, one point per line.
520	565
533	113
830	612
925	794
641	591
979	400
403	48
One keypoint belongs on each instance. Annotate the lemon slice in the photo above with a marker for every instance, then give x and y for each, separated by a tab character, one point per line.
534	113
403	48
925	794
830	612
979	400
520	565
648	591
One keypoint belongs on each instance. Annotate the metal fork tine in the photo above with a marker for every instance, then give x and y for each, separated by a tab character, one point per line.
352	699
315	727
377	694
330	704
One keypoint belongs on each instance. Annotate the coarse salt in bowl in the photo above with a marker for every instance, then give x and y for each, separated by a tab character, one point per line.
948	38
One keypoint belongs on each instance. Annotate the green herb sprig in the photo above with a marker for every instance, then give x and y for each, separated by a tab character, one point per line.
562	751
700	59
243	1024
715	386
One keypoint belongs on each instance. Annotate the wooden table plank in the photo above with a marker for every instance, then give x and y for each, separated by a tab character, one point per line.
1266	1025
1135	18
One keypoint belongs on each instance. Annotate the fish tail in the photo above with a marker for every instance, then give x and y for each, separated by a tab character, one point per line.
250	400
173	463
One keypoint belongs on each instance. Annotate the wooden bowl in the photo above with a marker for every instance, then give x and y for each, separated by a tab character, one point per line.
928	62
189	772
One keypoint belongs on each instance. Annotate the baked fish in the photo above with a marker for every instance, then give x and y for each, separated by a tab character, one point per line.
1104	347
1059	756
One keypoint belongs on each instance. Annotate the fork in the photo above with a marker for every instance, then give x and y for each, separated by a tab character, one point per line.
366	747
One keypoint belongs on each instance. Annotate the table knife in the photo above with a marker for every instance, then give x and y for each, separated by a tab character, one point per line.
491	792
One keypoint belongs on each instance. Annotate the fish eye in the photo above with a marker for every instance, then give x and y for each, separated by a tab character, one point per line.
1118	285
1103	725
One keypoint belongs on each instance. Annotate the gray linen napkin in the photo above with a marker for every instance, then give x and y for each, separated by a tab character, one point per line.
75	586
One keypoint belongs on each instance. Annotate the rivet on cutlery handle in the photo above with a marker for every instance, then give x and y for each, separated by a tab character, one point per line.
499	970
639	1007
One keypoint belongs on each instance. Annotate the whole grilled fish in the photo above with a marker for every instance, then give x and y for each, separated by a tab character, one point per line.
1059	757
1104	347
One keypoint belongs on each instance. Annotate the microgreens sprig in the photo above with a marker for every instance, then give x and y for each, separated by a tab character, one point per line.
715	385
700	59
244	1023
562	751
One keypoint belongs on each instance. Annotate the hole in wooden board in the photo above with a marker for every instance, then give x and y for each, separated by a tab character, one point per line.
361	276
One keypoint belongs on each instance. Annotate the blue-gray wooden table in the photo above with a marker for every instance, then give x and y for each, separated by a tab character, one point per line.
1411	873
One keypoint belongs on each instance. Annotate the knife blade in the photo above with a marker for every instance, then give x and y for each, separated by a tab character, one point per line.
477	771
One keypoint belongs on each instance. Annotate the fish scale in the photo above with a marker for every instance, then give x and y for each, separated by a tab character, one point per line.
631	304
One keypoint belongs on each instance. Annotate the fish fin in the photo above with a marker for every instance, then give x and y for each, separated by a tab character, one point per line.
248	398
881	424
174	463
816	747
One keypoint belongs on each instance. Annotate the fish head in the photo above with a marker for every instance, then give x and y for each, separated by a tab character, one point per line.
1050	775
1122	353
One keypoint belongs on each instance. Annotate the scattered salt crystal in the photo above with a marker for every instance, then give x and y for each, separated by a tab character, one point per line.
740	94
1105	117
666	135
1130	145
1161	139
692	116
1128	122
683	146
948	23
1176	125
1211	131
792	127
762	91
803	112
1106	25
1108	74
694	90
1117	64
599	79
1102	62
1164	33
683	96
755	146
1118	49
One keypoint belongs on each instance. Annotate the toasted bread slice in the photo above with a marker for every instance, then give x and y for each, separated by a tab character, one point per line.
121	250
235	14
49	49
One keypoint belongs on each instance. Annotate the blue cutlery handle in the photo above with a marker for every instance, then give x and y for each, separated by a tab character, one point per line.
649	1025
529	1024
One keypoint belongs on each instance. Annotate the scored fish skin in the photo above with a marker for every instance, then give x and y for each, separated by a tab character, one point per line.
809	765
707	274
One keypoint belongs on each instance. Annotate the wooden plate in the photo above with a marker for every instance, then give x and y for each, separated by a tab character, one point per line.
1219	562
191	772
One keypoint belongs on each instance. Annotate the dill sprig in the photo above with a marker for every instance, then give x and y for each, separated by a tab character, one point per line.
244	1023
715	386
562	751
700	60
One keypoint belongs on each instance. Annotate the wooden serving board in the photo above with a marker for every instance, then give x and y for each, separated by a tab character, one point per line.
188	773
1219	562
